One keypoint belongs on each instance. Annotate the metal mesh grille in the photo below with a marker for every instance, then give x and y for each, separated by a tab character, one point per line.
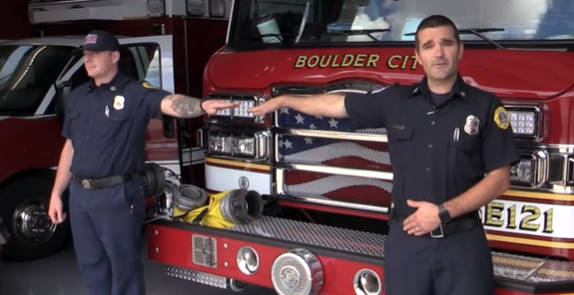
195	276
316	235
204	250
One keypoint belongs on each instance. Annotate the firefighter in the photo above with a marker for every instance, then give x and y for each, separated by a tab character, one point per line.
101	161
451	147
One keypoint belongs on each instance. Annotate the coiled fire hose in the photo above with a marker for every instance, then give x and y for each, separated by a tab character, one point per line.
225	209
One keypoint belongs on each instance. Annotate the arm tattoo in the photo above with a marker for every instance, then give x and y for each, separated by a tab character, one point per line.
185	106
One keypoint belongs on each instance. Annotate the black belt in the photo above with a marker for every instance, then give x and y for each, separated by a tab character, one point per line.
99	183
456	225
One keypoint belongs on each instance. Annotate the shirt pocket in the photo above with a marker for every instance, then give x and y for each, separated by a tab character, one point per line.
400	139
465	156
113	123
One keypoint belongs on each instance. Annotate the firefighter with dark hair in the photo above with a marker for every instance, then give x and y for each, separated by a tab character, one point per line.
102	160
451	149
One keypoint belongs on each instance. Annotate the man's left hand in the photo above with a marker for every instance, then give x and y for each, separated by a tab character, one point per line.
424	220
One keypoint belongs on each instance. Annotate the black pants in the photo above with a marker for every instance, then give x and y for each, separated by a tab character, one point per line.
454	265
106	227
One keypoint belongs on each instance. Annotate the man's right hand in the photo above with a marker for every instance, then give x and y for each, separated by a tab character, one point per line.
268	106
56	210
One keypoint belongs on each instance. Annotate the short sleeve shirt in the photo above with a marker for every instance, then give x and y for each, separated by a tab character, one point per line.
107	125
437	151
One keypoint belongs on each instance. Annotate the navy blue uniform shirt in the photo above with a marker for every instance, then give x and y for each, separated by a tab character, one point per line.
437	151
107	125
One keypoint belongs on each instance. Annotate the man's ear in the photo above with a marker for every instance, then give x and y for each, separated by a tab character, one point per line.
115	56
461	50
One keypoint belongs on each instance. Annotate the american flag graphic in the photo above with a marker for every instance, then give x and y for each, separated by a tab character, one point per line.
333	152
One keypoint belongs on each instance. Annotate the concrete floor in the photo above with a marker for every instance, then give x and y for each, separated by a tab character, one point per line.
59	275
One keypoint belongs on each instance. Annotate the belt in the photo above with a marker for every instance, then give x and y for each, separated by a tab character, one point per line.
456	225
99	183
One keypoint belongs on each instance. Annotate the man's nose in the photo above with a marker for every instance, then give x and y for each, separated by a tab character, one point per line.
439	51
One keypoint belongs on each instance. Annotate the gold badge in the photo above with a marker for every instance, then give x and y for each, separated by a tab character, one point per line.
501	118
119	102
146	84
471	125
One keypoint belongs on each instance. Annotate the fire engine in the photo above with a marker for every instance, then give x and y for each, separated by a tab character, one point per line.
326	185
36	74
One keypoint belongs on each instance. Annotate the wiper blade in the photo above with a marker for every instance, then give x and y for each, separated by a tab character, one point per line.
368	32
477	32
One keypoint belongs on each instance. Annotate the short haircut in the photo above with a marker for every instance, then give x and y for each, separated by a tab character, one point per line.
434	21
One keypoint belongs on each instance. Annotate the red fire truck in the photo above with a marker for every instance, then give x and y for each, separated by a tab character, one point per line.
35	74
326	185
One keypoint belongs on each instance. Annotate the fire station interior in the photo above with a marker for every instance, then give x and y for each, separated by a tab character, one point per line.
59	273
287	202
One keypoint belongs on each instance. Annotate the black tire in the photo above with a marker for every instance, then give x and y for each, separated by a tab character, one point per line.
24	209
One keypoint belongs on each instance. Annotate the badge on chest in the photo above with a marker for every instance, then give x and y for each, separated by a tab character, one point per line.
119	101
471	125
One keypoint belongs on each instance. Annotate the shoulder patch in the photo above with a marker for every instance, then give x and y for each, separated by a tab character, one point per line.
146	84
501	118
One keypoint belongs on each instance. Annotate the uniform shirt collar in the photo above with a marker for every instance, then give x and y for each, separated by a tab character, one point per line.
458	90
118	80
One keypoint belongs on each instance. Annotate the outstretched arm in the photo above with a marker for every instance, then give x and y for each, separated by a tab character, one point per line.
328	105
182	106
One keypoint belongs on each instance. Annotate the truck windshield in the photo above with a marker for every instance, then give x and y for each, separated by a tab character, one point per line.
26	73
292	23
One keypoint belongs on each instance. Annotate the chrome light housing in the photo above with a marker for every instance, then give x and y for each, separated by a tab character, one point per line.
531	170
367	282
297	272
254	146
247	260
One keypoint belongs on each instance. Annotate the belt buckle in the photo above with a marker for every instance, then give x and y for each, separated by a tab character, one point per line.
86	183
437	233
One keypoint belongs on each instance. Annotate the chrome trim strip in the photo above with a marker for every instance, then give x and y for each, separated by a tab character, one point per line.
335	135
339	171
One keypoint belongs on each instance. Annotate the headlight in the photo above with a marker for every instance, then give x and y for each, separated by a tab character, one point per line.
155	8
234	145
220	144
524	120
244	146
241	112
195	7
531	170
217	8
521	172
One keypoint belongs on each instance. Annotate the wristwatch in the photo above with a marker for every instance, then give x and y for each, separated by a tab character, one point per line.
443	214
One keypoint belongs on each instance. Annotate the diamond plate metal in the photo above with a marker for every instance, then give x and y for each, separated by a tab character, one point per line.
532	269
195	276
331	237
204	250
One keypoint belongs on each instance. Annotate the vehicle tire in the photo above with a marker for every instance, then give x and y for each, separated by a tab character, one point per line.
24	210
